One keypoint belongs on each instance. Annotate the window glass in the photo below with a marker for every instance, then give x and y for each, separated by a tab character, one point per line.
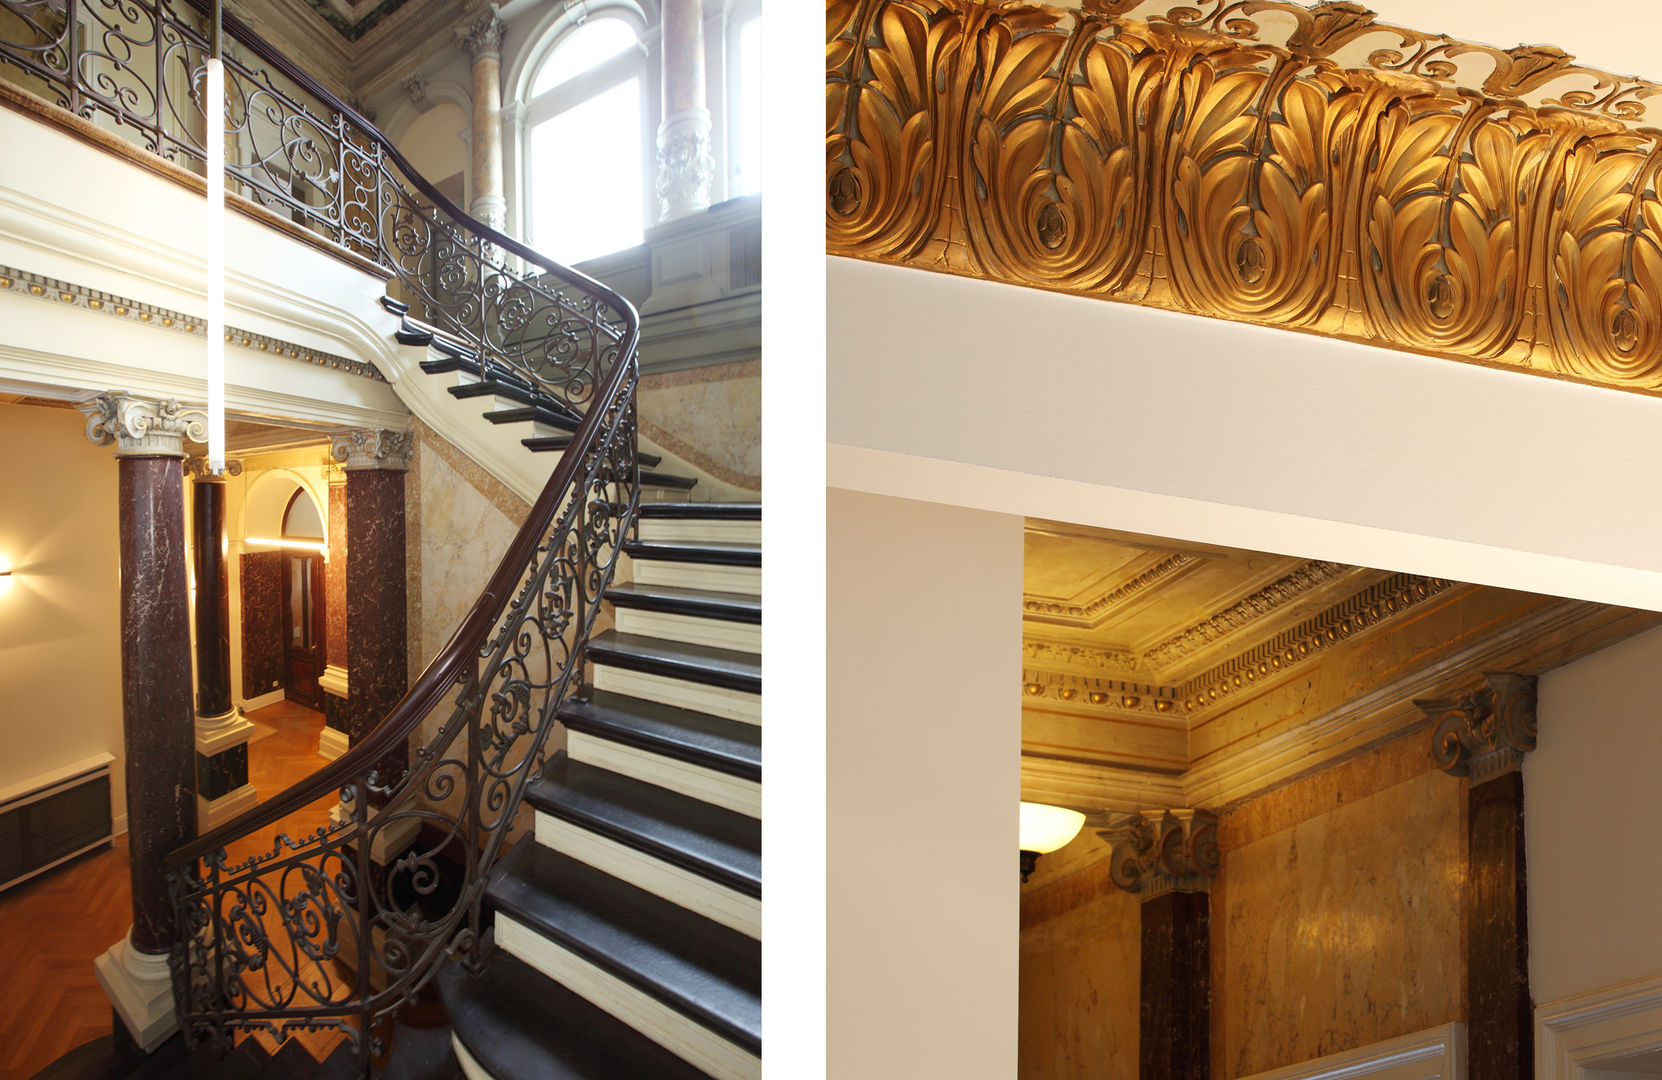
589	46
585	166
749	150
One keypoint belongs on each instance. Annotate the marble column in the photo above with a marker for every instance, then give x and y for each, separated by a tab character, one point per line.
686	169
222	733
376	622
482	42
1168	858
1483	736
332	741
156	711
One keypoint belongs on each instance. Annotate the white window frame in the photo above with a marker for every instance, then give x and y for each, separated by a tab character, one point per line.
739	13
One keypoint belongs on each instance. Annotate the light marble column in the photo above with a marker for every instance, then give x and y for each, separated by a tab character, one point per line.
482	41
685	166
156	710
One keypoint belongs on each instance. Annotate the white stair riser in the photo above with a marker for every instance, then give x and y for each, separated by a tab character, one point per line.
670	530
715	700
681	887
695	781
739	579
693	629
676	1033
470	1068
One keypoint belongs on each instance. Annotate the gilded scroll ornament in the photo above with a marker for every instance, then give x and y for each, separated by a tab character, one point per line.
1342	176
1487	731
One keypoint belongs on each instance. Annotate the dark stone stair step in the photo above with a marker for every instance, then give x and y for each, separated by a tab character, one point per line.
667	480
341	1064
291	1062
712	552
676	600
719	845
248	1058
421	1054
711	510
494	388
701	969
525	413
726	746
542	444
521	1025
704	664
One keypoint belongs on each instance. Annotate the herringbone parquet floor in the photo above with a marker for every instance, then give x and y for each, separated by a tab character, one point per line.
52	928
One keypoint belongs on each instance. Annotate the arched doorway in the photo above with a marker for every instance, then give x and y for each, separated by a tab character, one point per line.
303	600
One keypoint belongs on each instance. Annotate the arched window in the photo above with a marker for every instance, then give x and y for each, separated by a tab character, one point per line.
744	88
585	168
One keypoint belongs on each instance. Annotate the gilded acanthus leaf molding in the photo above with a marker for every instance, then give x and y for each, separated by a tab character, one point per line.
1302	167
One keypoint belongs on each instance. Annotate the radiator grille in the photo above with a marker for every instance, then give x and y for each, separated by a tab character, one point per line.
34	834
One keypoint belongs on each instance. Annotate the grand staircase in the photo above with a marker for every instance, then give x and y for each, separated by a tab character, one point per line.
627	926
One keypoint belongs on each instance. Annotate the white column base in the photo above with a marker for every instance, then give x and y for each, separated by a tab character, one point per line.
390	842
331	743
211	814
141	989
217	734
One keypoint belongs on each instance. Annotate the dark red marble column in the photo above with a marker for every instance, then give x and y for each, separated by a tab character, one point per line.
1499	1012
157	721
376	623
213	599
1174	1030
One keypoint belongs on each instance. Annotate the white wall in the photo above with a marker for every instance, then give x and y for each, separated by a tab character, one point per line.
1022	401
1593	823
923	726
60	638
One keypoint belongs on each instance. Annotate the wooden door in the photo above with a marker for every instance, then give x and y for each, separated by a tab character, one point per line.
302	626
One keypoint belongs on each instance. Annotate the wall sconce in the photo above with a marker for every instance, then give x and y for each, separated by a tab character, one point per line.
1045	829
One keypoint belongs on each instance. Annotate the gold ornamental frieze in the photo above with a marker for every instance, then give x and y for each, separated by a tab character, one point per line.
1305	168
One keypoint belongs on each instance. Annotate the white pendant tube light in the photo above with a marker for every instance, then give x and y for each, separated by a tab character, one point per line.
213	114
1045	829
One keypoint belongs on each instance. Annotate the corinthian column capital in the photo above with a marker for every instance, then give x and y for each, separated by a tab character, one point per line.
1486	731
372	448
141	427
1159	851
483	36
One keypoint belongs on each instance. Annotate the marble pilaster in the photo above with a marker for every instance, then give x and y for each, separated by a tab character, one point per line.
686	168
156	692
482	42
222	733
332	741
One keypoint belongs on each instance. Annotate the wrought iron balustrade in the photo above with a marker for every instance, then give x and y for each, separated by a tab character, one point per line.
334	922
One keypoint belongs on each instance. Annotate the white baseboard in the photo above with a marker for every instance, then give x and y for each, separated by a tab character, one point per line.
250	704
331	743
1593	1036
1435	1054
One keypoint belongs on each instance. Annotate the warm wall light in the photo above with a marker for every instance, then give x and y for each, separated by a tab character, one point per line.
308	545
1045	829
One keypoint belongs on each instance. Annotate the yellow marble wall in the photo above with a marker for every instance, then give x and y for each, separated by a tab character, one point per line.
712	416
1336	918
1081	941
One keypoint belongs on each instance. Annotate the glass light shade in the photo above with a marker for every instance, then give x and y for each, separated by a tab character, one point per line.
1046	828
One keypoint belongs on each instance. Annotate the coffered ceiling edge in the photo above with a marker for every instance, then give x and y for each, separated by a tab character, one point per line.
1348	178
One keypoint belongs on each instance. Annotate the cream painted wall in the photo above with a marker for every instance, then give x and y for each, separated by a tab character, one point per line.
1591	820
923	723
436	144
60	640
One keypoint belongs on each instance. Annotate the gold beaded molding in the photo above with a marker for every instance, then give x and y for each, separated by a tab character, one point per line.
117	307
1302	167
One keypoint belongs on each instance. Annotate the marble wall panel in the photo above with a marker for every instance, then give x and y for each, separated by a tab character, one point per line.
334	581
1081	947
1337	915
711	416
262	622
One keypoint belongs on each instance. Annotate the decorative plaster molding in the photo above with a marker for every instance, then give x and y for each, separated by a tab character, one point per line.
1578	1038
686	168
140	427
1484	732
415	86
1159	851
1313	169
373	448
66	293
1109	695
1266	601
1435	1054
1102	605
196	467
482	38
